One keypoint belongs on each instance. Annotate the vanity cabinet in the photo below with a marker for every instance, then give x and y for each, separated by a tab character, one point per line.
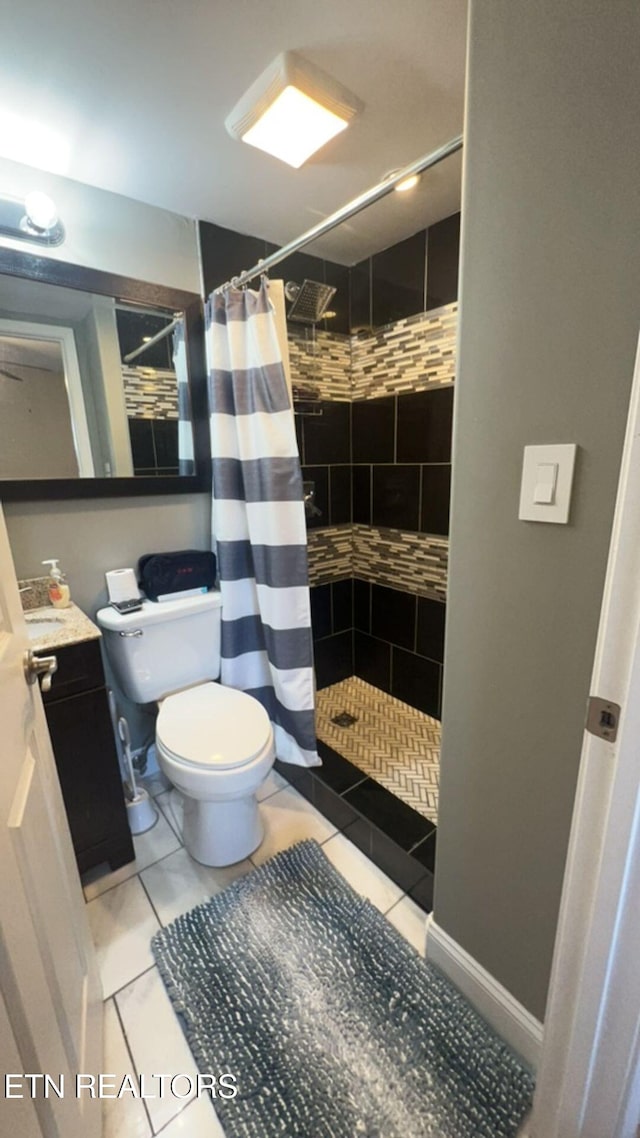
79	722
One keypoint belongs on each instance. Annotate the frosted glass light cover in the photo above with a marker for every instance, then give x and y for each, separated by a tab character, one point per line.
294	127
292	109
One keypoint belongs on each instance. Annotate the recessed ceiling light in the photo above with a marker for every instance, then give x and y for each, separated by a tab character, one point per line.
408	184
292	110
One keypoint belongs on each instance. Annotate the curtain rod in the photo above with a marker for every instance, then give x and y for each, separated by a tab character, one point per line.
349	210
154	340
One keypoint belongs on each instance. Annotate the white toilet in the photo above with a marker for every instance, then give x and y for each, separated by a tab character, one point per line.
215	744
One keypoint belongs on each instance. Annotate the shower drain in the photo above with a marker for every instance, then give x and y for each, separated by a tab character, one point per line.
344	719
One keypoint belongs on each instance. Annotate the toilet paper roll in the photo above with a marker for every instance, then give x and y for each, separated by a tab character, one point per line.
122	585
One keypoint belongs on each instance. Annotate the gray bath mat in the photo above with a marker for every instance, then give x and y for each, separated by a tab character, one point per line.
331	1023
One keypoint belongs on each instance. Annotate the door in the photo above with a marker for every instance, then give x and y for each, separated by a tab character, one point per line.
45	430
589	1075
49	987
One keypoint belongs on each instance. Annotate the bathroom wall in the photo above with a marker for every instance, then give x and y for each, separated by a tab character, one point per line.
102	533
550	295
112	233
377	451
400	387
403	306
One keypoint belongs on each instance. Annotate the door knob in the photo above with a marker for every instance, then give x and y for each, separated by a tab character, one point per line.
44	666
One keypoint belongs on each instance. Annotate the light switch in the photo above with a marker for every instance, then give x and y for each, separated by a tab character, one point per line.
547	479
545	489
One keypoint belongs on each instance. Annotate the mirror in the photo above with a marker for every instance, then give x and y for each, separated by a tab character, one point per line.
101	383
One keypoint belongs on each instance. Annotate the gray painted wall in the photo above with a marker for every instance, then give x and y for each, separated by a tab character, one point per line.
114	233
550	304
110	533
110	232
105	533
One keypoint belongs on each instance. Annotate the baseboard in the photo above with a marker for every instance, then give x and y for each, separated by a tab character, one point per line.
521	1030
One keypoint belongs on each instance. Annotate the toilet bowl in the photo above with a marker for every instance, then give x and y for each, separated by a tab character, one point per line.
214	744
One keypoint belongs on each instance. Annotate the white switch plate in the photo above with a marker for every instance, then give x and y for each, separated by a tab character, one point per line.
563	456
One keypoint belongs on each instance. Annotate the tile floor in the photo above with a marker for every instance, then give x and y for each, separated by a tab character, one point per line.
393	743
142	1034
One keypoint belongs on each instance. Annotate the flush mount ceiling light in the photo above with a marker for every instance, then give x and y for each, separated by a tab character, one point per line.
33	219
292	110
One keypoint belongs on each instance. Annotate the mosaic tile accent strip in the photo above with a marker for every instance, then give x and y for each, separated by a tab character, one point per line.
414	562
330	554
324	366
391	742
150	396
409	355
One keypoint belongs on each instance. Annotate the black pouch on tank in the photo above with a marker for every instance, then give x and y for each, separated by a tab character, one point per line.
161	574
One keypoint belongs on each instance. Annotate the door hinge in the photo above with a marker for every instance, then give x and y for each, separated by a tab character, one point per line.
603	718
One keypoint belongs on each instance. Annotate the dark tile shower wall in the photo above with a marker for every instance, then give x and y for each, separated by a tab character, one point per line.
382	462
324	442
225	254
401	479
416	275
399	644
154	445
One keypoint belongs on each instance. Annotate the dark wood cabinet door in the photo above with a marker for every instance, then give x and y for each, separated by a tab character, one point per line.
89	772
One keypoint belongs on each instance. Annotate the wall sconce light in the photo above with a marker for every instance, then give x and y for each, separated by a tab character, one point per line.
34	219
292	110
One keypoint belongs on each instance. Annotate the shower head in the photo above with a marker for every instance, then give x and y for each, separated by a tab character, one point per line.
310	300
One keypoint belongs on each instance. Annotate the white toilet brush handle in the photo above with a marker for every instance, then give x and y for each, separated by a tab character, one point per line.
123	731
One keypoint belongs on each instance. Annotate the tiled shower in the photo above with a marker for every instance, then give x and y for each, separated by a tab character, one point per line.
376	444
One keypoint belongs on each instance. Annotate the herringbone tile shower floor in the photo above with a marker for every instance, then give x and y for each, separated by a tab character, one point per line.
391	742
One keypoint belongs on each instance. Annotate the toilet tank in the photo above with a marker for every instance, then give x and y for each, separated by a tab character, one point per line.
165	646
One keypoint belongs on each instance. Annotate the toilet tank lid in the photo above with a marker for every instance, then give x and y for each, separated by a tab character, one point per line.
157	612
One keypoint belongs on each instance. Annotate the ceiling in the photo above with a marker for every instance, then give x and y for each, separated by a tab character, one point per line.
137	93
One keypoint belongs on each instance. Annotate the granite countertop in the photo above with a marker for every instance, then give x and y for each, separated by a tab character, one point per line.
71	624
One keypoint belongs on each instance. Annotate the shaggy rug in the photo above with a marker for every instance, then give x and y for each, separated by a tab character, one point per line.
332	1025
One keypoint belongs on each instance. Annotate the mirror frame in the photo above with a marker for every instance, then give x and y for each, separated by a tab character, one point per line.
46	270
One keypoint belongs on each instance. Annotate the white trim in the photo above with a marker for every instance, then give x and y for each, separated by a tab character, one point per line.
589	1079
65	337
521	1030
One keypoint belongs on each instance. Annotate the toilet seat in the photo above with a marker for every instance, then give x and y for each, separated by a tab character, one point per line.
212	728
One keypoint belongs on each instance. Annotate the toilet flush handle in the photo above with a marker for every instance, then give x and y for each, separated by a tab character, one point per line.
133	632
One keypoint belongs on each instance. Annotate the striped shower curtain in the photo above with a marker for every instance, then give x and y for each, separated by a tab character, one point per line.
185	429
258	520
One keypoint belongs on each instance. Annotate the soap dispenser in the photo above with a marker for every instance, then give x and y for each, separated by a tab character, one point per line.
59	592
